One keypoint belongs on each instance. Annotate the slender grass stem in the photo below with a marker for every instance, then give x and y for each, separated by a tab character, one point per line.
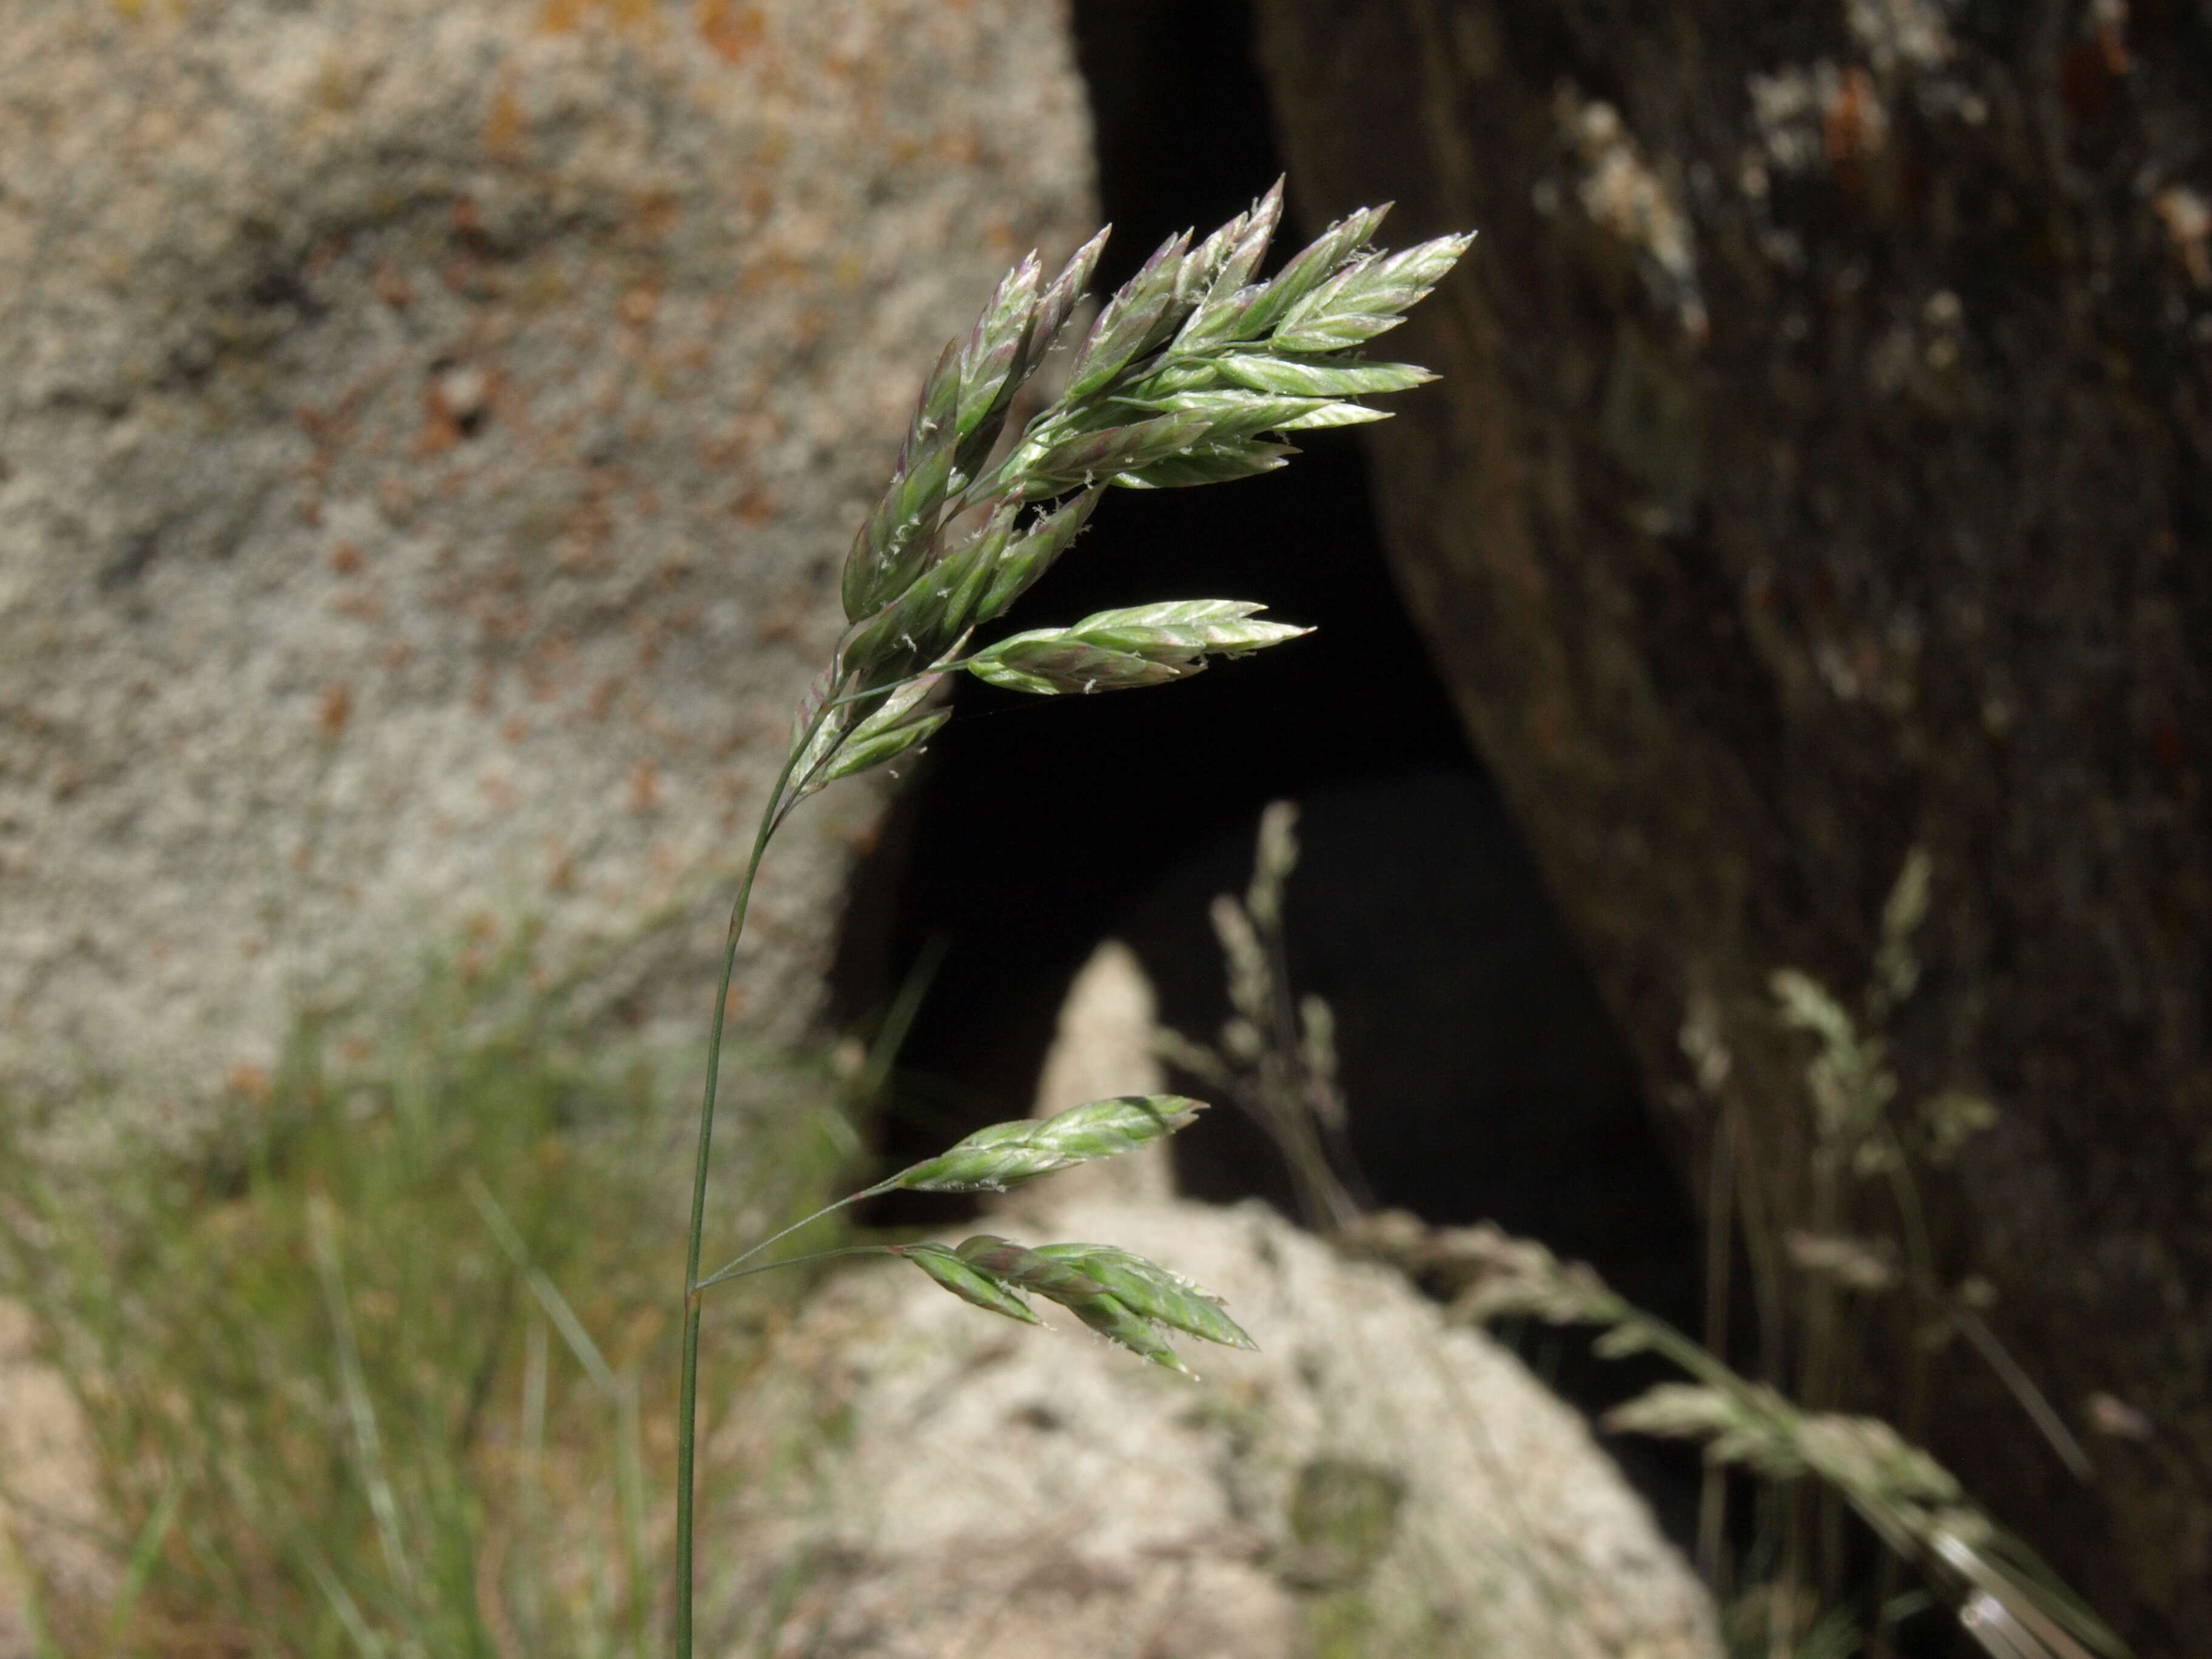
730	1269
736	1272
687	1395
954	666
928	594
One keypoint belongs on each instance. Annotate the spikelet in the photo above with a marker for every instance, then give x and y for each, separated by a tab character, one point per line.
1192	373
1006	1154
1128	1300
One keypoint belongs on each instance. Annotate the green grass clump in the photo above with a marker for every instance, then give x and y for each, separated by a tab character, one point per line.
378	1382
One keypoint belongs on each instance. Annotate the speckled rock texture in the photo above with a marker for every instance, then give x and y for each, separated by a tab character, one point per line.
1369	1482
1822	468
427	436
53	1527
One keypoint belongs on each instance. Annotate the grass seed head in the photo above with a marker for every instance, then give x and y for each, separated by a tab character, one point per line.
1151	1292
1191	374
1006	1154
1124	1298
967	1282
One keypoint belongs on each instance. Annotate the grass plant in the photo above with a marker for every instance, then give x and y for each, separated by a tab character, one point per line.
378	1384
1283	1070
1192	373
348	1387
391	1378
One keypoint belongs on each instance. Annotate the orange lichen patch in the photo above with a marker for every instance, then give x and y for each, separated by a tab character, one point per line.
326	254
641	305
734	32
645	792
545	672
958	147
773	270
499	789
506	127
624	16
1854	124
758	505
327	429
786	624
334	711
657	212
346	559
250	1082
393	289
364	608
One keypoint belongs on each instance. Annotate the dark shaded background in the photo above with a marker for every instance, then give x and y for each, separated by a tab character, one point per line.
1879	523
1485	1078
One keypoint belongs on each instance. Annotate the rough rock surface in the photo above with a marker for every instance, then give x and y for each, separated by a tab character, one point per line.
1102	1045
50	1518
428	435
1369	1482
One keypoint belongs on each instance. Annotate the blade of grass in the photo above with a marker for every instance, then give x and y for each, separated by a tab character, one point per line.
348	1611
548	1295
368	1442
145	1554
629	1479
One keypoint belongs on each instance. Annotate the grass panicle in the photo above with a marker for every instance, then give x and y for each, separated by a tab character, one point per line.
1192	372
1122	1296
1277	1059
1006	1154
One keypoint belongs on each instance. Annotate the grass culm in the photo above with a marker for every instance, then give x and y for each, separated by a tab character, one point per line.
1192	373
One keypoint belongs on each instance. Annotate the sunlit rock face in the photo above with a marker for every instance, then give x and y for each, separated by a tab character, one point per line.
939	1479
431	435
1367	1480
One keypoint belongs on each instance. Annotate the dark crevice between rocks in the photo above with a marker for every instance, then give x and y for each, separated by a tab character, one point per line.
1485	1078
